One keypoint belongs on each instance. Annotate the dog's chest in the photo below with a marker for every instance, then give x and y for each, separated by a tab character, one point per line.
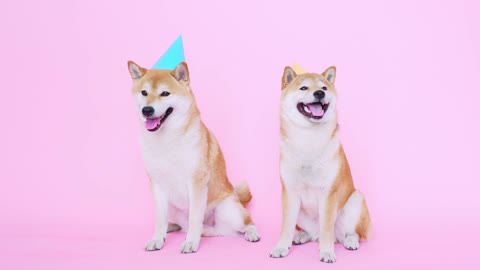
171	165
310	198
308	167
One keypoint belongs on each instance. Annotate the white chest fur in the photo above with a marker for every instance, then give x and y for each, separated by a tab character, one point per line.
170	160
309	162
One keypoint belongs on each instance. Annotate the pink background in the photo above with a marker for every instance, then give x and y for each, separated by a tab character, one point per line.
73	189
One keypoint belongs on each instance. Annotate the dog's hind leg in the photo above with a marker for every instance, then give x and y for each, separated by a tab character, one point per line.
353	222
232	217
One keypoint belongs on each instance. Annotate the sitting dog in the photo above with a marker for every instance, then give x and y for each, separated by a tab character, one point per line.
184	162
318	195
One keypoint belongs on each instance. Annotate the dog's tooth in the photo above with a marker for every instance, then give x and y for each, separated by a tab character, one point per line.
305	107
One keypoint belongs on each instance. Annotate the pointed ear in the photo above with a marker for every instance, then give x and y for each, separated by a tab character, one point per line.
330	74
288	76
136	71
181	73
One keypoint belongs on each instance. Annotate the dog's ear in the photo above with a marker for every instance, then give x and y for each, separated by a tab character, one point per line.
288	76
181	73
330	74
136	71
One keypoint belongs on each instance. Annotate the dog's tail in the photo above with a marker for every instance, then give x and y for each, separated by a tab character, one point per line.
243	193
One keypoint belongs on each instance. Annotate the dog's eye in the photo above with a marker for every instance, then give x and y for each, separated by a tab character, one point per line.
165	94
303	88
324	88
144	93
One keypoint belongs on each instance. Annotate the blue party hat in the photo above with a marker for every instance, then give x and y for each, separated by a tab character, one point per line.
172	57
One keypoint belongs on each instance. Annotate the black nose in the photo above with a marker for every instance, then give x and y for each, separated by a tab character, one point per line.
148	111
319	94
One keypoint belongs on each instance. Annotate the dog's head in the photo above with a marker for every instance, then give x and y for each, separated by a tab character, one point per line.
309	99
161	95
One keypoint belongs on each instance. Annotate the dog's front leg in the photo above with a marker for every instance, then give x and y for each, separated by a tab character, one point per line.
161	221
291	208
327	214
198	203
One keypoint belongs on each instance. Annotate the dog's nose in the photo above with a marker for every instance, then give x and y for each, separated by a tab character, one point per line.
148	111
319	94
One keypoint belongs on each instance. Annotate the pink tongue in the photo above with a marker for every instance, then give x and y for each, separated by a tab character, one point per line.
316	109
152	123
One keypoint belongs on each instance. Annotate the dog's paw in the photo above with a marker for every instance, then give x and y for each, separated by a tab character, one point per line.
351	242
155	244
279	252
189	247
251	234
328	257
301	238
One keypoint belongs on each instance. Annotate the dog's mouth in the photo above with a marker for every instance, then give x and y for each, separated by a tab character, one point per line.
314	110
153	124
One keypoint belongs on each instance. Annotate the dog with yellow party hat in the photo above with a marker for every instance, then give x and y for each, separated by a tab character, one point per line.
319	198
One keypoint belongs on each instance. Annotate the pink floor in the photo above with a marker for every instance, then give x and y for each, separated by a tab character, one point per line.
392	248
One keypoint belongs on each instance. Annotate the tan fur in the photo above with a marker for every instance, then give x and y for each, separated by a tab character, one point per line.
316	179
364	226
212	160
343	186
210	186
155	77
312	76
247	218
243	192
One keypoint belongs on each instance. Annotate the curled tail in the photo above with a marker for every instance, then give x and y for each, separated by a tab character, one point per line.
243	193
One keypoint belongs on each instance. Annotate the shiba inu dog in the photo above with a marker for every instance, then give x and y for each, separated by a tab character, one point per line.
318	195
184	162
